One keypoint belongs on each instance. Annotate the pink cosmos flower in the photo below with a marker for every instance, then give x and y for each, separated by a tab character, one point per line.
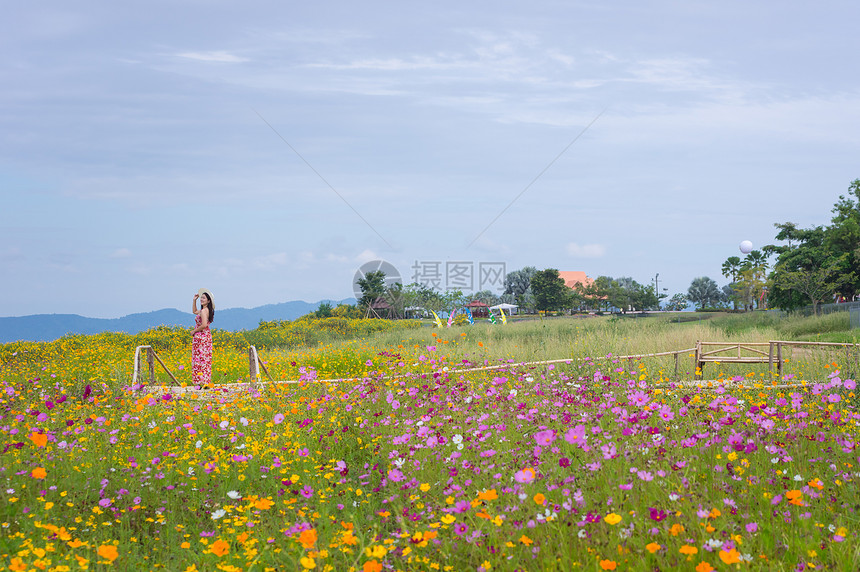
525	476
545	438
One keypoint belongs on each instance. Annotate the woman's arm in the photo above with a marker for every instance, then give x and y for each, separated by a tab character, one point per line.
194	304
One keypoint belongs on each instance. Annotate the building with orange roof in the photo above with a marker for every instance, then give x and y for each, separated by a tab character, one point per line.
573	277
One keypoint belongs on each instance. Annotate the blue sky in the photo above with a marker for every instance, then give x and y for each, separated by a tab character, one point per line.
136	163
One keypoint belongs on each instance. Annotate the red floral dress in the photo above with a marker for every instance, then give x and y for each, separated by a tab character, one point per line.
201	355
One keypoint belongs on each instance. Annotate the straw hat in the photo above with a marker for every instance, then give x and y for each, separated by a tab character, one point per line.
205	291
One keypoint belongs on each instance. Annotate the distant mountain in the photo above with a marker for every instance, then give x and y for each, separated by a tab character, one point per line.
49	327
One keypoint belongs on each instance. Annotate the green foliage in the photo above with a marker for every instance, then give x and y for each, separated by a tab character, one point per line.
704	293
820	261
550	291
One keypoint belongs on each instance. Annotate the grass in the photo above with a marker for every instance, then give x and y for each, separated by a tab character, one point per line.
587	465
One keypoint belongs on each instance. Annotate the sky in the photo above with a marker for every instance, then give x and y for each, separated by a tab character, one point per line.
267	150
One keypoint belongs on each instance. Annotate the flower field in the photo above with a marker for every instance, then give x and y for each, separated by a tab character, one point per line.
589	465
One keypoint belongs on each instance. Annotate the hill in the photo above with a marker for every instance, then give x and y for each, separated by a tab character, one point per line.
49	327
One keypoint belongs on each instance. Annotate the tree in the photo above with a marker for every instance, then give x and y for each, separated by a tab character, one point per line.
731	268
518	282
817	284
486	296
677	303
324	310
843	240
831	253
550	291
372	287
704	293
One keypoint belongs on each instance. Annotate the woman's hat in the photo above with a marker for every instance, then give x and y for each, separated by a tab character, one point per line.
205	291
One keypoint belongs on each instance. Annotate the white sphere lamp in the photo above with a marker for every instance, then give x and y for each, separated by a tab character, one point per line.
746	246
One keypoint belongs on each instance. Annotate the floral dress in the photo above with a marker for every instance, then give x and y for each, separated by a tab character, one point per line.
201	355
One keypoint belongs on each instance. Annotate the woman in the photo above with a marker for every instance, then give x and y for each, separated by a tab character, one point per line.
201	345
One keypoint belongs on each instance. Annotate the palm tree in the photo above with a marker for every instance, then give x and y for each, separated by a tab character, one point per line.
731	268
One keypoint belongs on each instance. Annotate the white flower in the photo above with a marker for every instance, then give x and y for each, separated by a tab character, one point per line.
190	470
530	378
581	533
832	528
10	491
798	478
673	497
234	495
399	462
457	439
714	543
198	444
512	393
243	421
218	514
775	460
468	399
224	424
242	446
152	425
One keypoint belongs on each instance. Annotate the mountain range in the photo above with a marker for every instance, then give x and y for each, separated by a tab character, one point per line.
49	327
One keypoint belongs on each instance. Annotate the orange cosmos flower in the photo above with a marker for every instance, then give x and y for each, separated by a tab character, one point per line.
608	565
730	557
108	552
220	547
308	538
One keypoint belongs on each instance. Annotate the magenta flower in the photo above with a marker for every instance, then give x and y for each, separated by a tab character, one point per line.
307	491
576	435
460	529
545	438
279	418
752	527
462	506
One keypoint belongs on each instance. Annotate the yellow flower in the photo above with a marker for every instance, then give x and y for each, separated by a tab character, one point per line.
308	563
448	518
612	518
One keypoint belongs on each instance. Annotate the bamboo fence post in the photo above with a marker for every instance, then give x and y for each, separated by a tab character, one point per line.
150	361
252	364
770	358
779	359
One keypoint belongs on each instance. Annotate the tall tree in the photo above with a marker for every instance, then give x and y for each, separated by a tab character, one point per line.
372	287
517	284
704	292
843	240
550	291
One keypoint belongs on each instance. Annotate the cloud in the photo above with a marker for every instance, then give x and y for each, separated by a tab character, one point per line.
218	56
120	253
366	256
586	250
